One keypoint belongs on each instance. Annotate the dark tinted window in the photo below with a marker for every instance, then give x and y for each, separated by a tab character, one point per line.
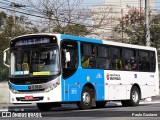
103	51
88	52
144	64
116	52
128	53
152	61
130	59
69	67
116	61
103	61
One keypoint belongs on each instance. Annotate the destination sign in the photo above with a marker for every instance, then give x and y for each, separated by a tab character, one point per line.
32	41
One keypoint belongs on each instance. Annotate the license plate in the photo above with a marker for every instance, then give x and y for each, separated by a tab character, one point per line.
29	98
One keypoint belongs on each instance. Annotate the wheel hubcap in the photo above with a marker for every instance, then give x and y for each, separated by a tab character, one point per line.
135	96
86	98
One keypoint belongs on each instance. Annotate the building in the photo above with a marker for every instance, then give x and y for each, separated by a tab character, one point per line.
114	11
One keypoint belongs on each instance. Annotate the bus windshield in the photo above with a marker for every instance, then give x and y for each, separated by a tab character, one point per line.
35	62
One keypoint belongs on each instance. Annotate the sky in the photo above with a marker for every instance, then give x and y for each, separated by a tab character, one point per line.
85	3
6	3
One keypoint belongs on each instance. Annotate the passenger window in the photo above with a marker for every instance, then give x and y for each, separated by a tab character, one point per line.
103	61
144	64
103	51
116	61
117	64
116	52
88	50
130	59
152	62
88	55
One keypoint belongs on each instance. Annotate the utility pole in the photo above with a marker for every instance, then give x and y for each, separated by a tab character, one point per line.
140	7
122	24
14	6
49	14
147	26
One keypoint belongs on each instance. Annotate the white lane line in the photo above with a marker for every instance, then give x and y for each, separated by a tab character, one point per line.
4	110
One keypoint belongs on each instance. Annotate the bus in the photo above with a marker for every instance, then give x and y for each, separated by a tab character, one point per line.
53	69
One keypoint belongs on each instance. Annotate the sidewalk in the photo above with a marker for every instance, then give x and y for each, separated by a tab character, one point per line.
4	93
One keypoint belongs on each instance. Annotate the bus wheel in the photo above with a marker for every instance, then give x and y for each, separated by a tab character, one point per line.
125	103
134	96
44	106
86	99
100	104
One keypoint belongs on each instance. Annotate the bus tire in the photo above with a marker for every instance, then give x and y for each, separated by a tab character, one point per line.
44	106
100	104
125	103
86	99
134	96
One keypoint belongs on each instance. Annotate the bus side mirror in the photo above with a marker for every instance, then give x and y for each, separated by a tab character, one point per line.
68	57
5	57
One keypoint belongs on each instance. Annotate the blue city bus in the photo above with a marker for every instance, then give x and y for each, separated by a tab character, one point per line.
54	69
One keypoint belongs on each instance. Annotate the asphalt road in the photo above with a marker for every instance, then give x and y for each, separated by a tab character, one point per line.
113	110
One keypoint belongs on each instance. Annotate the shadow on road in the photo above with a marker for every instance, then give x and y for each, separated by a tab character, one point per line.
65	107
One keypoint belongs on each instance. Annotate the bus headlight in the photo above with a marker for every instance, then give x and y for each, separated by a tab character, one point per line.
13	90
48	89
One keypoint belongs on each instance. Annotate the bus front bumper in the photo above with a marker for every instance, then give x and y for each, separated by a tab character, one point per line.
43	97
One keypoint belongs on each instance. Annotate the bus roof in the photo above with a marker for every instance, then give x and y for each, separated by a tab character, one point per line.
107	42
85	39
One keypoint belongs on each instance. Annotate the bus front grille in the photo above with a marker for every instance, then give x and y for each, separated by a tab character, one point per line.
30	91
28	82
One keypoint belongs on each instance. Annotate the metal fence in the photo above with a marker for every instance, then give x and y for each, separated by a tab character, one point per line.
4	71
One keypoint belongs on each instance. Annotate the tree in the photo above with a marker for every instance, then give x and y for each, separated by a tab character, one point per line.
64	15
75	29
133	26
8	30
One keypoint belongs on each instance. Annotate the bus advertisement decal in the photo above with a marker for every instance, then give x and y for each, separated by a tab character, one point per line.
113	76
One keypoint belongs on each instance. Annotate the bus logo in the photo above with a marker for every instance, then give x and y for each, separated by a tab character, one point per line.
88	78
99	75
108	76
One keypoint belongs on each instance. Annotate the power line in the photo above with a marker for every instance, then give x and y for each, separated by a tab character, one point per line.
55	19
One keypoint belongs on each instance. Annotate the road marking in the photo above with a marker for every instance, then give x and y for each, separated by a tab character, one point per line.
1	110
110	104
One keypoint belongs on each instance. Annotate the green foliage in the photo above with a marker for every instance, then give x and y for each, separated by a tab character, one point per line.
4	71
133	26
9	30
76	29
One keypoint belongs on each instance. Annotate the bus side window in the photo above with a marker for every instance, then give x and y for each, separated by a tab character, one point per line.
152	62
88	55
130	61
144	61
102	60
116	55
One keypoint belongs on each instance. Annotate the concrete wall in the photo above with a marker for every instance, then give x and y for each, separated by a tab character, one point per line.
4	92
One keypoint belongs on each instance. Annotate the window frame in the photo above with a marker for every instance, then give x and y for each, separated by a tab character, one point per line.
87	55
103	57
